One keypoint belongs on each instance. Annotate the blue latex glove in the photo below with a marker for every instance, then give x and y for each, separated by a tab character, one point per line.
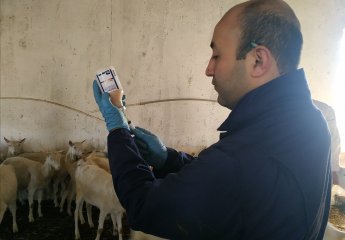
113	116
151	147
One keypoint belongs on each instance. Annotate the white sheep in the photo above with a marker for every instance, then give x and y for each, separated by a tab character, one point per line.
41	157
35	156
100	161
60	178
33	176
95	186
70	193
8	193
338	190
69	163
74	152
138	235
14	147
98	153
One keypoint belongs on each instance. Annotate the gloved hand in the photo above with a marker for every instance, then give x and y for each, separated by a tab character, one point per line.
151	147
113	116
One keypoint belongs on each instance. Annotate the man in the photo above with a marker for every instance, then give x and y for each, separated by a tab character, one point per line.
329	114
268	177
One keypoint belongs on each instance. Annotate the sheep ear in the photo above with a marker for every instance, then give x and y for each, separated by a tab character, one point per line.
70	143
6	140
22	140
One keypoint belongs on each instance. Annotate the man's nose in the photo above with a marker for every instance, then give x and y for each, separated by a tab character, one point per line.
209	69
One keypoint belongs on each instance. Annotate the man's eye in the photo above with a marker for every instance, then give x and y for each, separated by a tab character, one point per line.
215	57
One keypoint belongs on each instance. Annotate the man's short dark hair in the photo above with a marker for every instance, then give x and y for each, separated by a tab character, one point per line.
278	29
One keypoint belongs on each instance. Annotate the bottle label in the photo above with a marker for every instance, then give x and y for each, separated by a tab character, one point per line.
108	80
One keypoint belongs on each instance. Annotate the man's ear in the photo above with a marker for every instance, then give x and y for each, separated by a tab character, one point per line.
261	61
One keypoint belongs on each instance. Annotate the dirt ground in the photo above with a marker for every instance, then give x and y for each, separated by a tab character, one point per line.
54	225
337	215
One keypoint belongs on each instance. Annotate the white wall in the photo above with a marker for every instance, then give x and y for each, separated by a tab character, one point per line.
50	51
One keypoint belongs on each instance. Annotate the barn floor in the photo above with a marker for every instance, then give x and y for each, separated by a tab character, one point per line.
53	225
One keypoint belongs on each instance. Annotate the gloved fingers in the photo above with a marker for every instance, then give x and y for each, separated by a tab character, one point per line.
97	93
106	103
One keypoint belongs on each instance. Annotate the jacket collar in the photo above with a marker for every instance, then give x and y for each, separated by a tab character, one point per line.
291	86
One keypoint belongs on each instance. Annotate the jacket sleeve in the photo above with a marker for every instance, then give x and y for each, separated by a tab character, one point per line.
167	207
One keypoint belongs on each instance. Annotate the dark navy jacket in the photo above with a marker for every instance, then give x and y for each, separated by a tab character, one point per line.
268	177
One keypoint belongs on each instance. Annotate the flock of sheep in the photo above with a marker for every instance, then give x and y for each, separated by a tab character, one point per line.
72	175
64	176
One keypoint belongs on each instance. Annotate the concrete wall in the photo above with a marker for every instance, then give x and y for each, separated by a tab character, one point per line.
50	51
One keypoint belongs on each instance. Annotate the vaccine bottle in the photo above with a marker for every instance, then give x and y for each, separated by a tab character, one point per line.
108	81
